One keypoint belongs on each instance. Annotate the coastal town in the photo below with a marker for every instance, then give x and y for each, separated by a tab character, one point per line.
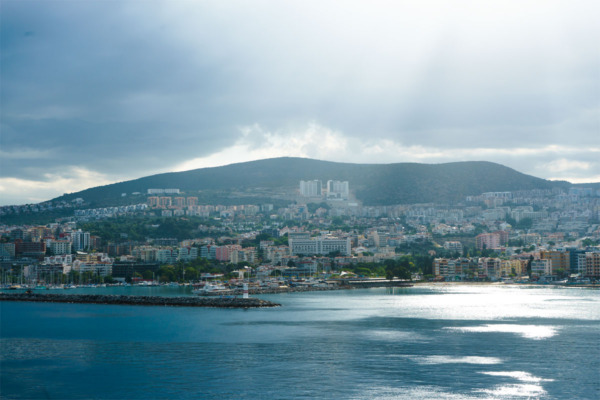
323	233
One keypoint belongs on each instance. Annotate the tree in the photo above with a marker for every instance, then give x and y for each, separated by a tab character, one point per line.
191	273
389	274
147	275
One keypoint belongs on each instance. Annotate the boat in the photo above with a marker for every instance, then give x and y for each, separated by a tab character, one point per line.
212	289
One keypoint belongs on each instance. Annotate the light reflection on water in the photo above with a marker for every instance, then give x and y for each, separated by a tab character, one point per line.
515	391
456	360
536	332
519	375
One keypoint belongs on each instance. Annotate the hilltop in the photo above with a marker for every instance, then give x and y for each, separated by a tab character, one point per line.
372	184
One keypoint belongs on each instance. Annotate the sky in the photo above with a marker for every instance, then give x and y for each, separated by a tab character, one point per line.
96	92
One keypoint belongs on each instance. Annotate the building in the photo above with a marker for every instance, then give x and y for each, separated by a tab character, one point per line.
491	240
311	188
179	202
209	252
592	265
30	249
576	261
541	268
7	251
523	212
145	253
223	253
276	254
512	268
166	256
165	201
320	245
187	253
126	270
245	255
560	260
80	240
153	201
59	247
454	246
489	267
337	190
440	267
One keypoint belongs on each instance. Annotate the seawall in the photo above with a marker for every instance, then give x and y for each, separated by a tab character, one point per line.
189	301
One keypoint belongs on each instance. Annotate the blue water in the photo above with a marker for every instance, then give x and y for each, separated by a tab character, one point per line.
427	342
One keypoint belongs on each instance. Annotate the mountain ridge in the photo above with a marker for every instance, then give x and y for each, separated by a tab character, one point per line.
372	184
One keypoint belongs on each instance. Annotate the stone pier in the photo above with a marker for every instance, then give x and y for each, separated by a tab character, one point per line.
189	301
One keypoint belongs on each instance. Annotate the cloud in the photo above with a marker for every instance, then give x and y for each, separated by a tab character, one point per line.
19	191
314	140
563	165
126	89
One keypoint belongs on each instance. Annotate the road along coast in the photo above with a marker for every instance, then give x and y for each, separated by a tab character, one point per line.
188	301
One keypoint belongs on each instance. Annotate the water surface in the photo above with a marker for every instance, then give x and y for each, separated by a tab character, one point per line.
424	342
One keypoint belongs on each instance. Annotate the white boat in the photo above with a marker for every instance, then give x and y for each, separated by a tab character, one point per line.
212	289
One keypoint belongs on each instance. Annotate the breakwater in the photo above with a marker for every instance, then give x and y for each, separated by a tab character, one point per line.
189	301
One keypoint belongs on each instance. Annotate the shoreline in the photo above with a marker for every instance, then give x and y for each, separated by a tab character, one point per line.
532	284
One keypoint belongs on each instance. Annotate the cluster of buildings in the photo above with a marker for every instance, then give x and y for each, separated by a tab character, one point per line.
528	226
545	265
36	242
109	212
46	206
334	190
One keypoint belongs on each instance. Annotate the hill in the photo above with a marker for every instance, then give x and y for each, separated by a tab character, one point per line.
373	184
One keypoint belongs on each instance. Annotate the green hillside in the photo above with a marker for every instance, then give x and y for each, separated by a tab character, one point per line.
373	184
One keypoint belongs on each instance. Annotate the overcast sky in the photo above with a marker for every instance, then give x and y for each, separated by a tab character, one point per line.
95	92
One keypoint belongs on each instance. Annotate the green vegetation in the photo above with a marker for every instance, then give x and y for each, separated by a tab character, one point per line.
138	228
33	218
373	184
524	224
312	207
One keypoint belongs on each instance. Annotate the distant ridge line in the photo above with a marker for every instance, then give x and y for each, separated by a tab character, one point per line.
372	184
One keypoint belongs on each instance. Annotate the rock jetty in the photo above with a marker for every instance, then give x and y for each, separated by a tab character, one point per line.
190	301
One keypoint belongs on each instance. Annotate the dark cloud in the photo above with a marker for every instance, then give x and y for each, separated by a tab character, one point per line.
131	88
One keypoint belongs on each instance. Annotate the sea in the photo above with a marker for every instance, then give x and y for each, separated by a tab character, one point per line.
435	341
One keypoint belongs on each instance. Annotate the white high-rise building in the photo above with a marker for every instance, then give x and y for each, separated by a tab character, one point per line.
338	190
311	188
